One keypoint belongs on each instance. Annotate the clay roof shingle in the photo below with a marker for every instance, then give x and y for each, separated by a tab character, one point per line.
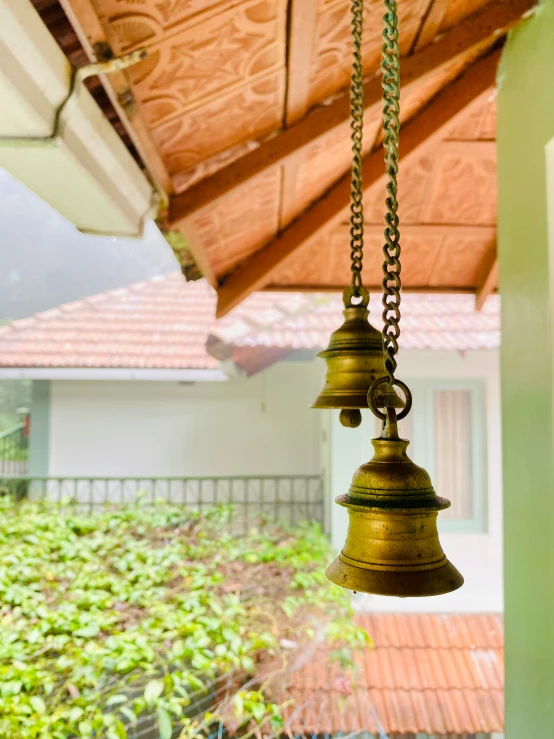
165	322
427	673
437	322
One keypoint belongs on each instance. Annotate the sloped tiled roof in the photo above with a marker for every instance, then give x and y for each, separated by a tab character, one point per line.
164	323
427	673
447	322
158	323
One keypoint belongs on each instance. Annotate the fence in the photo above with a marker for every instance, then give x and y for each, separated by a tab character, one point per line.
292	499
14	450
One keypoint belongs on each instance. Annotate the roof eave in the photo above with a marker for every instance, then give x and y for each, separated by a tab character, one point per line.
113	373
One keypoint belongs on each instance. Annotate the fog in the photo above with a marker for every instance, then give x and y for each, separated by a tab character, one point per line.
45	261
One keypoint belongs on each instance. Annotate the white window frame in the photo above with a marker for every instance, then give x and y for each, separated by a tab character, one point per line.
422	450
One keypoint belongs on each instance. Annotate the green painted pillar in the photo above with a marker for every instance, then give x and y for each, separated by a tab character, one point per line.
39	442
526	250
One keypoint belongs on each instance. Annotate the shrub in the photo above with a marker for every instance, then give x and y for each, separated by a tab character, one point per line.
115	619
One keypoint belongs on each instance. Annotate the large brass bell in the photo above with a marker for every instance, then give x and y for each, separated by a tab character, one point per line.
392	546
354	360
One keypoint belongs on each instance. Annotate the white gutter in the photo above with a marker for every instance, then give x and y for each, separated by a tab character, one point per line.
115	373
74	160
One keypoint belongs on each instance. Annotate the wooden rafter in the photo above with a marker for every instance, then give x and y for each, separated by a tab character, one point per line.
378	288
419	133
431	23
91	34
431	230
478	30
249	359
489	279
303	19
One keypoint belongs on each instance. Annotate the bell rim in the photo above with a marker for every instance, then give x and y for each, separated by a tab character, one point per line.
355	349
402	501
342	403
399	584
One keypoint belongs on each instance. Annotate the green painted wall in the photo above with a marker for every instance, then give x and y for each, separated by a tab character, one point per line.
525	125
39	442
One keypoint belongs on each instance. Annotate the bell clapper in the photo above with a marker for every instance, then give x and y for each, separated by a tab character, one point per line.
354	359
350	417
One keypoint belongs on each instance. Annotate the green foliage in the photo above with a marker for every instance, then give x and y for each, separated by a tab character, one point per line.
182	252
111	618
14	394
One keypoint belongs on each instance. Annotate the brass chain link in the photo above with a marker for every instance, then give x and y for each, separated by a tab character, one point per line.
392	284
356	126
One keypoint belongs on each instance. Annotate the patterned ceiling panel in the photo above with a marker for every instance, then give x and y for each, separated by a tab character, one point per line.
479	123
325	262
188	140
413	182
215	74
326	160
460	261
239	223
464	187
215	86
331	61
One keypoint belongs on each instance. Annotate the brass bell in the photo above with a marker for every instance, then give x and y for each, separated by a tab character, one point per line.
392	546
354	360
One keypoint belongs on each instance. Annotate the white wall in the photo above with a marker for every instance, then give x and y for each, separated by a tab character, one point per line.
257	426
478	556
264	426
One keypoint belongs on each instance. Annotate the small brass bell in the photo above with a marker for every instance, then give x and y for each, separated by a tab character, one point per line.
392	546
354	360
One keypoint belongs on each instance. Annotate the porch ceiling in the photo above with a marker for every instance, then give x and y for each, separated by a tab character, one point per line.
241	112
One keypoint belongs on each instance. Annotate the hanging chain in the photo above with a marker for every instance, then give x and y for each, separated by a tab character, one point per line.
390	66
356	125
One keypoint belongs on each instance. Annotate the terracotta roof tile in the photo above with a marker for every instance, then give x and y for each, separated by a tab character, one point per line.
447	322
427	673
164	323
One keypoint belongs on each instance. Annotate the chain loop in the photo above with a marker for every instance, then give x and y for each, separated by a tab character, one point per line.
392	284
356	126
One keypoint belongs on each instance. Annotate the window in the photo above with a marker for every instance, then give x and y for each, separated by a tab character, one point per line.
447	431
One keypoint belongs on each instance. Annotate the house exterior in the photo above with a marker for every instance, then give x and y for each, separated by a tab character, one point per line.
264	207
124	387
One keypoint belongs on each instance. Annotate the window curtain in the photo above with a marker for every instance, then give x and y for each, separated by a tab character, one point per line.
452	451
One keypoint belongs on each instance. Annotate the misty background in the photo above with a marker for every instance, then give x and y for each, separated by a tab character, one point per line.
45	261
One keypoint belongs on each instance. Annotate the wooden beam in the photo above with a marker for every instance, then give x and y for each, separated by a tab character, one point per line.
92	36
480	28
338	289
199	255
301	39
424	230
249	359
419	133
431	23
254	359
489	280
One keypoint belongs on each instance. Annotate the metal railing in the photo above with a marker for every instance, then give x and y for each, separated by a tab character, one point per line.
14	448
291	499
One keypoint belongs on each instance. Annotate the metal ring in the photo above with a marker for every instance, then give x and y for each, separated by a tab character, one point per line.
351	292
402	385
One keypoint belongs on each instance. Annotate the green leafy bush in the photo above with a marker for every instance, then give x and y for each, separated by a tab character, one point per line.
115	619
